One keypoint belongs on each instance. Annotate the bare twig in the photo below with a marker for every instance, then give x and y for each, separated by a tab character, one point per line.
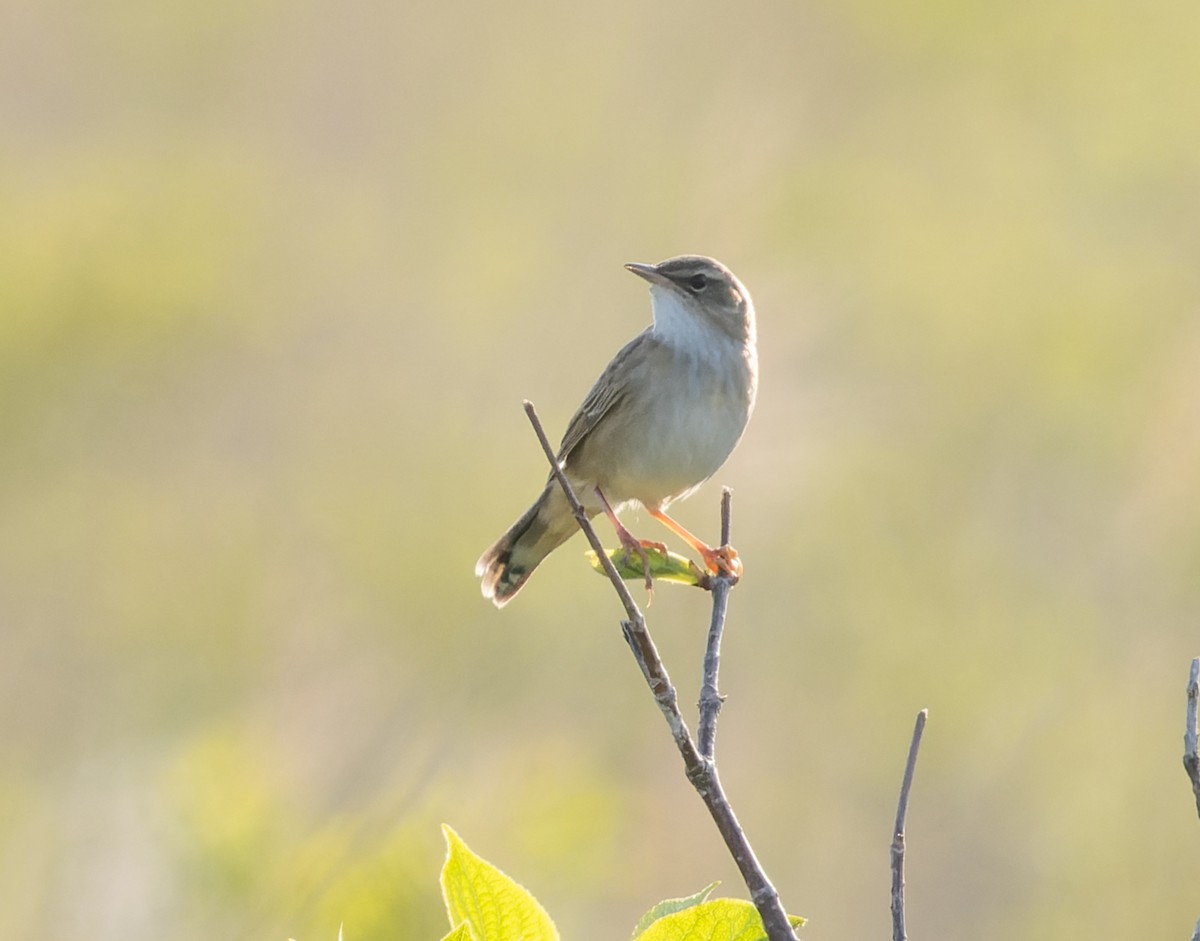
710	695
898	929
1191	761
610	570
726	504
700	770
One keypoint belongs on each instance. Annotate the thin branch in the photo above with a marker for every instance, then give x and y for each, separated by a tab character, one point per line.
701	771
898	928
1191	761
581	518
710	695
726	506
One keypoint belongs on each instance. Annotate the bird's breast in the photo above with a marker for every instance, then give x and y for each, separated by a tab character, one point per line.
681	426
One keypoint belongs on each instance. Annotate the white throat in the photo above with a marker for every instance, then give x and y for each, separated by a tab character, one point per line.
682	328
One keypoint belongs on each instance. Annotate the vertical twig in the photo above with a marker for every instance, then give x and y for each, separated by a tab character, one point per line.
899	932
726	505
710	695
700	770
1191	761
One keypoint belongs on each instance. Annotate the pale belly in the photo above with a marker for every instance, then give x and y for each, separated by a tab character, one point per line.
675	443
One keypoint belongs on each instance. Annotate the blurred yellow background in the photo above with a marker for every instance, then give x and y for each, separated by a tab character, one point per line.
274	280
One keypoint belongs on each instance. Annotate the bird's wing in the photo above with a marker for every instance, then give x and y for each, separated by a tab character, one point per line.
610	388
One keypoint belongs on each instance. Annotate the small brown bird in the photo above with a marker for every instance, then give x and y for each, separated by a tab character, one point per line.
661	419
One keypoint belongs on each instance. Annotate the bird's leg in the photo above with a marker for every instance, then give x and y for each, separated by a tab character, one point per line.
720	561
629	542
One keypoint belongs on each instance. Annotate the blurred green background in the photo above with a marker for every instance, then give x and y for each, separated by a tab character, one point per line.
274	280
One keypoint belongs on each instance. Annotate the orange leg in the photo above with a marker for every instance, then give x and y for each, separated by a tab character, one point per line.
629	542
720	561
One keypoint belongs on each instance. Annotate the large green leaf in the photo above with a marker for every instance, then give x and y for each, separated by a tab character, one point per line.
670	906
718	920
494	906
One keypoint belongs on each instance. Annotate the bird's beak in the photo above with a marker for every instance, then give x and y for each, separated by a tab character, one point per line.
649	272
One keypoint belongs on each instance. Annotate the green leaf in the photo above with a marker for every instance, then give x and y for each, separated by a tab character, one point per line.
667	567
461	933
717	920
493	906
670	906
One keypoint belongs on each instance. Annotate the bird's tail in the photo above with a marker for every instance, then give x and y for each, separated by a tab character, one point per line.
506	566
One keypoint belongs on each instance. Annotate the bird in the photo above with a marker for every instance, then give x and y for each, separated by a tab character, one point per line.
665	414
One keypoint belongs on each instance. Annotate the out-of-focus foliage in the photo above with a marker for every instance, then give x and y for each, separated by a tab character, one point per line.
274	280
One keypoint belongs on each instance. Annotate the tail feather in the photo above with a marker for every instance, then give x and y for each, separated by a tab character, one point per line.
501	578
505	567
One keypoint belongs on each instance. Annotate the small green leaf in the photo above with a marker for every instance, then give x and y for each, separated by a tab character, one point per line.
667	567
493	906
461	933
670	906
716	920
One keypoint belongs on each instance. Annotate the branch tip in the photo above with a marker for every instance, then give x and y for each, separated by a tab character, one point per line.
899	932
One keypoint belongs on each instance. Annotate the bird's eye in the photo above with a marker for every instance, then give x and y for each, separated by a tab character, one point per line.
697	282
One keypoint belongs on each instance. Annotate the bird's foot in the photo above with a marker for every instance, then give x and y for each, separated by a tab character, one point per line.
638	547
722	561
659	547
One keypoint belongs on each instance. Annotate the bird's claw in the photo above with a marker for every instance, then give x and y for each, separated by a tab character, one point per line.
723	562
639	547
661	549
